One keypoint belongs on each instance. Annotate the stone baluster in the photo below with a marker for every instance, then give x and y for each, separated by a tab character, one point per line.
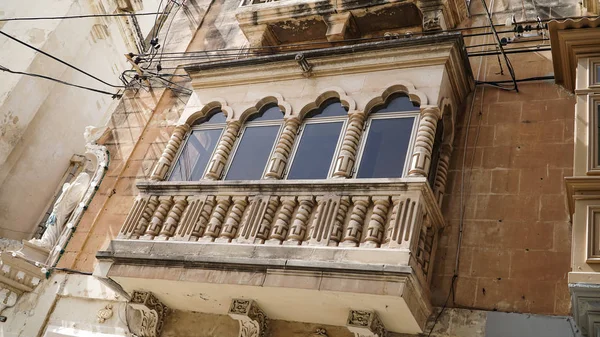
338	224
283	149
442	173
376	227
219	160
173	217
282	224
347	157
300	223
145	218
357	219
263	230
168	155
200	225
158	218
216	219
229	230
421	158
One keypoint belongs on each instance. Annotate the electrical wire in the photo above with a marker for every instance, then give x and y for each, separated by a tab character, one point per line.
59	60
113	95
73	17
167	32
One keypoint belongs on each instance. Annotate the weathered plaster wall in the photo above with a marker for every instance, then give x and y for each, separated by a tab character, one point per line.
42	122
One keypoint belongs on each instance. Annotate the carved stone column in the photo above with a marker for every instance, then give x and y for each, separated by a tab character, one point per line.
442	173
365	323
356	223
253	321
233	220
216	219
145	218
347	157
421	158
375	230
338	224
283	149
158	218
282	224
173	217
219	159
151	314
168	155
300	223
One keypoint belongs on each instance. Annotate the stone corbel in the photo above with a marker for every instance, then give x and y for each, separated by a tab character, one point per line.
147	317
260	36
340	26
365	323
253	321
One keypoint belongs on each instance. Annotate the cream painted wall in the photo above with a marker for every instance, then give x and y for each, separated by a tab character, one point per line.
42	122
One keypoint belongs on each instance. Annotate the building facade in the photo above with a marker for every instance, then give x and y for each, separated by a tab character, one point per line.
333	169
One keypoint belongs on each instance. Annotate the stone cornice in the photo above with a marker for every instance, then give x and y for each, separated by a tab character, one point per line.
581	188
571	39
443	49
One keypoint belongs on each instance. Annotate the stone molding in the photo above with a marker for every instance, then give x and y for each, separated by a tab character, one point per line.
585	299
253	321
365	323
152	313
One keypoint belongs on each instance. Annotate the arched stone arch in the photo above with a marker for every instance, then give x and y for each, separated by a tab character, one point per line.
273	98
403	87
331	92
218	103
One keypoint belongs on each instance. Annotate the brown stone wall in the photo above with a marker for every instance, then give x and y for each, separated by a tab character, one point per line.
515	253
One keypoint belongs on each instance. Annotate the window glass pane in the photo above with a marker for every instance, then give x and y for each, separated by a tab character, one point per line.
267	114
195	155
315	151
253	153
385	151
598	74
329	108
218	117
397	103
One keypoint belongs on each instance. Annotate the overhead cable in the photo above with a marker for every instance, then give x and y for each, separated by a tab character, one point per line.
59	60
73	17
113	95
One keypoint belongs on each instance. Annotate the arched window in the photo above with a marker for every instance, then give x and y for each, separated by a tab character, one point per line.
199	147
388	138
318	141
255	144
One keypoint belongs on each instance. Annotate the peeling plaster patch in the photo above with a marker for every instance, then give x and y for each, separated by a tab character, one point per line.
37	35
10	132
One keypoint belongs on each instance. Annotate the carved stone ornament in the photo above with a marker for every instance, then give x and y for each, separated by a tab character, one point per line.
320	332
365	323
105	313
148	316
253	321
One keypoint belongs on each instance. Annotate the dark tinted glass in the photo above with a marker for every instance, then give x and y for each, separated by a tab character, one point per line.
218	117
397	103
267	114
253	153
385	151
195	155
315	151
329	108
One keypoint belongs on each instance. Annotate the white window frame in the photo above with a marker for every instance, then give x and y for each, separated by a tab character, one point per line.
318	120
388	115
200	127
240	136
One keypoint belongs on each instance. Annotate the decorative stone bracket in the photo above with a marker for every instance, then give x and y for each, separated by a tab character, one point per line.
253	321
365	323
148	315
21	271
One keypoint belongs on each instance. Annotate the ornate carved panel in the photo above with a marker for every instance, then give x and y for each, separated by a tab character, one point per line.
147	317
365	323
253	321
259	218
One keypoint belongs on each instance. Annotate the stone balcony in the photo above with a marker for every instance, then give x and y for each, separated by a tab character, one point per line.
339	244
